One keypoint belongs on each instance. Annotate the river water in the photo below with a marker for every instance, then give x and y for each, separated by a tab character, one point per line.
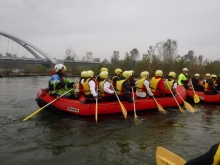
52	139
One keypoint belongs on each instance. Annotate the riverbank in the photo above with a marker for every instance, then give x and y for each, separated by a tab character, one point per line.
29	75
23	74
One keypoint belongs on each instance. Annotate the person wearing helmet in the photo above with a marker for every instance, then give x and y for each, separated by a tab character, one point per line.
106	92
218	83
83	76
98	79
170	81
118	73
206	78
132	80
211	157
210	86
142	85
59	84
90	87
196	83
123	87
182	78
157	85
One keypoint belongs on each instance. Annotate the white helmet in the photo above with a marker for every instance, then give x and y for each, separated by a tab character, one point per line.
185	69
58	67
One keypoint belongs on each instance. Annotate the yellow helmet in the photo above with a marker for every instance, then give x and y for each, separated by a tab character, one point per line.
86	74
132	72
104	69
83	73
159	73
126	74
213	76
118	71
104	74
197	75
207	74
144	74
91	73
172	74
64	67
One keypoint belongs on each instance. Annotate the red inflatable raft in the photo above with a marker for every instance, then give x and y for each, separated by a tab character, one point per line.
79	107
204	97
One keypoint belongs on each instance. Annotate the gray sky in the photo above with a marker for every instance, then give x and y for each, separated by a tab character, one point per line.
104	26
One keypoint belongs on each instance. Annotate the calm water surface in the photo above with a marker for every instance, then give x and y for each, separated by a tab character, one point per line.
49	138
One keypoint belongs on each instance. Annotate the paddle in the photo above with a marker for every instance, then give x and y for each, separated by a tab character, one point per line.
96	107
135	116
165	157
44	106
195	97
181	110
160	108
187	105
124	111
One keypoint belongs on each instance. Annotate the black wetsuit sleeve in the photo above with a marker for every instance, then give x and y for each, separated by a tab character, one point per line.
206	158
212	87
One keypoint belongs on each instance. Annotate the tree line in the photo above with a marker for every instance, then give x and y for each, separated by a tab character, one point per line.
164	56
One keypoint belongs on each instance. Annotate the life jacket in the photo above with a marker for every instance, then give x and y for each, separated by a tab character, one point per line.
80	86
205	80
114	83
170	83
207	87
101	87
153	84
119	87
86	86
140	85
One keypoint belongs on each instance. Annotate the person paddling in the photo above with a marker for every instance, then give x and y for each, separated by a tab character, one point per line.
59	84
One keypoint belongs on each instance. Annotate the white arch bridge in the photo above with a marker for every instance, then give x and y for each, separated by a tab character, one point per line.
29	47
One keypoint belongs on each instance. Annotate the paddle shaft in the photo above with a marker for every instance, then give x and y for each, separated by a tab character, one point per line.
181	110
122	106
159	107
135	116
96	106
196	97
45	106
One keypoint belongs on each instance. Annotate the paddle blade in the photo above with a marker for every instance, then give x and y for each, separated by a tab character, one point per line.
135	116
160	108
165	157
196	98
124	111
189	107
181	110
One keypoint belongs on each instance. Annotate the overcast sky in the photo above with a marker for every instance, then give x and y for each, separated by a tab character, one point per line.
104	26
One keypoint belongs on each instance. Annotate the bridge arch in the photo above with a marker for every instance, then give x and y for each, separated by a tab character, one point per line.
29	47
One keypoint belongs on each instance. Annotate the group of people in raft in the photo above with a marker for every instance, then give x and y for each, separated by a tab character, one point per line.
123	83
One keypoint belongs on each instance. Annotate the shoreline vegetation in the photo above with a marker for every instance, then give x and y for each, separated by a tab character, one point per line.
163	56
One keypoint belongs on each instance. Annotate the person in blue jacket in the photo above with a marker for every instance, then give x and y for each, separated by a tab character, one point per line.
59	84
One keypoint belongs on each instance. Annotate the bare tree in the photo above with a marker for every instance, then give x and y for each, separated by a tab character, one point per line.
88	57
70	54
134	54
115	57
